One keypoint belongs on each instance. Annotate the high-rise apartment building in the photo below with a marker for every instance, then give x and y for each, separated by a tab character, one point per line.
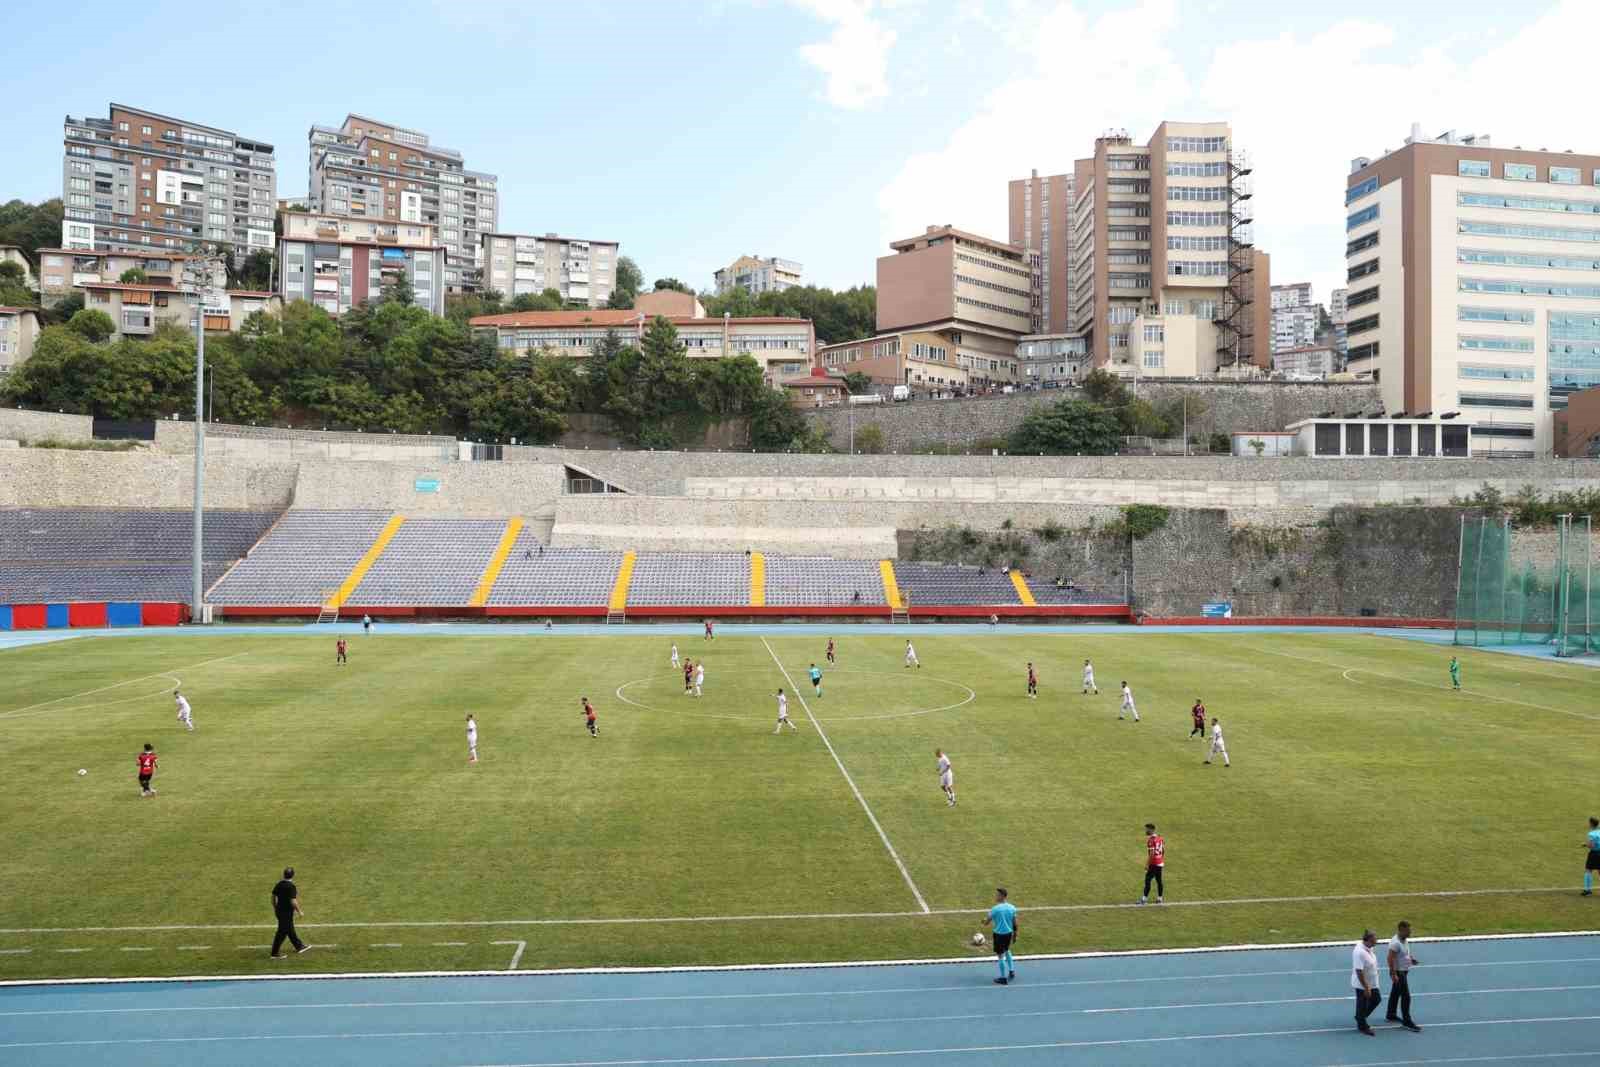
756	275
1041	222
1163	278
975	292
139	181
337	262
374	170
1338	315
1295	317
581	271
1474	277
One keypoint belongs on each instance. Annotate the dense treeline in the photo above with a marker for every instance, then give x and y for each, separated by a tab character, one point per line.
393	366
1096	423
842	316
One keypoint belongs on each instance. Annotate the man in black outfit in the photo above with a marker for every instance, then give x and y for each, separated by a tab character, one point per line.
286	905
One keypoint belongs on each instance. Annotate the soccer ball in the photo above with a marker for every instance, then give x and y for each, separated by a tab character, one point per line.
82	771
977	940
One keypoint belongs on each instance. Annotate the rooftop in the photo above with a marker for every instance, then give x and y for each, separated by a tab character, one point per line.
950	231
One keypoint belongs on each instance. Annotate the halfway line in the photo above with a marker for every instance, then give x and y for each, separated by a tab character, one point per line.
915	892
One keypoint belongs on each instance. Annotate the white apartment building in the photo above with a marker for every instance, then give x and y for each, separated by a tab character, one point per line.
757	275
1474	278
339	262
1294	317
581	271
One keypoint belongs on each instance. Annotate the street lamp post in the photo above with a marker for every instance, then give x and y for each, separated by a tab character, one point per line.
204	264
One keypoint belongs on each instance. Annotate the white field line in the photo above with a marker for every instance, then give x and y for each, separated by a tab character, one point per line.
915	892
869	915
14	712
516	957
1477	694
1525	1057
963	988
810	966
697	1027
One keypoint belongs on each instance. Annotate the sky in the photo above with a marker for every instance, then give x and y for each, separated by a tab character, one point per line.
816	130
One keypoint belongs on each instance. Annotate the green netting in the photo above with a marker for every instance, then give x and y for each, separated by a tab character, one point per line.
1501	603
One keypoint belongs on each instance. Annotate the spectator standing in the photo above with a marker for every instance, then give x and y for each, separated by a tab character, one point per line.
286	905
1364	980
1400	963
1590	865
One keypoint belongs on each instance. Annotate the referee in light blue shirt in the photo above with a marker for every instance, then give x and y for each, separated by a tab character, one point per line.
1003	917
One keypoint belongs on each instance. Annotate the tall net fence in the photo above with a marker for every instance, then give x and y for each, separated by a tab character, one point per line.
1501	601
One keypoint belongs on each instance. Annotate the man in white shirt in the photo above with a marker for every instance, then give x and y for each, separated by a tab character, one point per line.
1127	704
1364	980
185	716
1218	747
947	777
1088	679
911	657
675	663
699	676
1400	963
472	740
783	715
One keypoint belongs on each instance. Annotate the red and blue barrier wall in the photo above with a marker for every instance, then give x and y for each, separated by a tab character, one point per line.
91	615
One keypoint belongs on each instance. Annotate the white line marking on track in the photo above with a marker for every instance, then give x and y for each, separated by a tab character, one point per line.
963	988
116	685
780	917
915	892
1319	1000
516	957
1477	694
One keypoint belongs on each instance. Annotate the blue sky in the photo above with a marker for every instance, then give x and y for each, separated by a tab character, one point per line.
816	130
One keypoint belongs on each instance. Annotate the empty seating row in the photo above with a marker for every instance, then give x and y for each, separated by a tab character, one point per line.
305	557
62	582
690	578
92	536
1045	592
565	577
953	584
430	562
822	580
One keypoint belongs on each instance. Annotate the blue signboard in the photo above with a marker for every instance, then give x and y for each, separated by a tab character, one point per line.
1219	610
427	485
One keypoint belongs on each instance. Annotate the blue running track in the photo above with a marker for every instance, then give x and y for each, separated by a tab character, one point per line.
1501	1001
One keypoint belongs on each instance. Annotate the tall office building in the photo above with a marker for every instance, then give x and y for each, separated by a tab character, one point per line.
374	170
1474	277
517	264
1041	222
139	181
1163	277
756	275
974	292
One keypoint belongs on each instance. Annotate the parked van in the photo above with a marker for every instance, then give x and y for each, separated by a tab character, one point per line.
902	392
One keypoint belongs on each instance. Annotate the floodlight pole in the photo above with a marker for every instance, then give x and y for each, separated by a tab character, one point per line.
197	599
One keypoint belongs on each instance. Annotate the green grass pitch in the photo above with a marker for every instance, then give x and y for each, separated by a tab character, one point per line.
1356	772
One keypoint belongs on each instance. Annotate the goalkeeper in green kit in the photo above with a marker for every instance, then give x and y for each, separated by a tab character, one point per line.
1455	673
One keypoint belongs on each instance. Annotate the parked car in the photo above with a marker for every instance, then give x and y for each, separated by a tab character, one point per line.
902	392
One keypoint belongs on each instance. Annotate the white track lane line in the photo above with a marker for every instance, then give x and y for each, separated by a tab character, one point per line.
553	1031
117	685
802	916
915	892
1426	685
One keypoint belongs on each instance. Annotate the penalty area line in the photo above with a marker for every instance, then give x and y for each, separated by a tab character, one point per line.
915	892
117	685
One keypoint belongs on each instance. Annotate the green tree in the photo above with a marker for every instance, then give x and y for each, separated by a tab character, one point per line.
14	291
629	281
858	383
729	386
31	226
662	386
92	325
776	426
869	439
254	271
1068	428
837	316
671	283
1103	387
11	273
60	313
134	276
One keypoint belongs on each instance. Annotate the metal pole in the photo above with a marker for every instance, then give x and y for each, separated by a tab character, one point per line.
1505	571
197	603
1185	399
1588	580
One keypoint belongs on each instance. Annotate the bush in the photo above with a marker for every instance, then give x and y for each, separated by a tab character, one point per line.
1140	520
869	440
1050	532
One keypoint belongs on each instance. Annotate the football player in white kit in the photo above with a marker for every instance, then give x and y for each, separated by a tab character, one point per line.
947	777
783	715
1127	704
1218	747
675	663
911	657
184	714
699	676
1088	679
472	740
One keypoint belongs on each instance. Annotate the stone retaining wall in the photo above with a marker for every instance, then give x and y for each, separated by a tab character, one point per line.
17	424
59	478
442	488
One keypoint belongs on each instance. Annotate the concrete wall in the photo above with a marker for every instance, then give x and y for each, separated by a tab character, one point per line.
16	424
1221	407
271	444
464	489
586	430
38	477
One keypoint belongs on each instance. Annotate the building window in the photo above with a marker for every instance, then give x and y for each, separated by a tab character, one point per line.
1494	373
1521	172
1361	244
1473	168
1528	288
1495	400
1326	438
1364	296
1479	314
1154	332
1361	218
1361	270
1361	325
1355	435
1538	233
1566	175
1513	259
1356	192
1378	441
1153	359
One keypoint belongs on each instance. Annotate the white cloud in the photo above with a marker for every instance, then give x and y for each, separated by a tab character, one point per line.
855	57
1302	105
